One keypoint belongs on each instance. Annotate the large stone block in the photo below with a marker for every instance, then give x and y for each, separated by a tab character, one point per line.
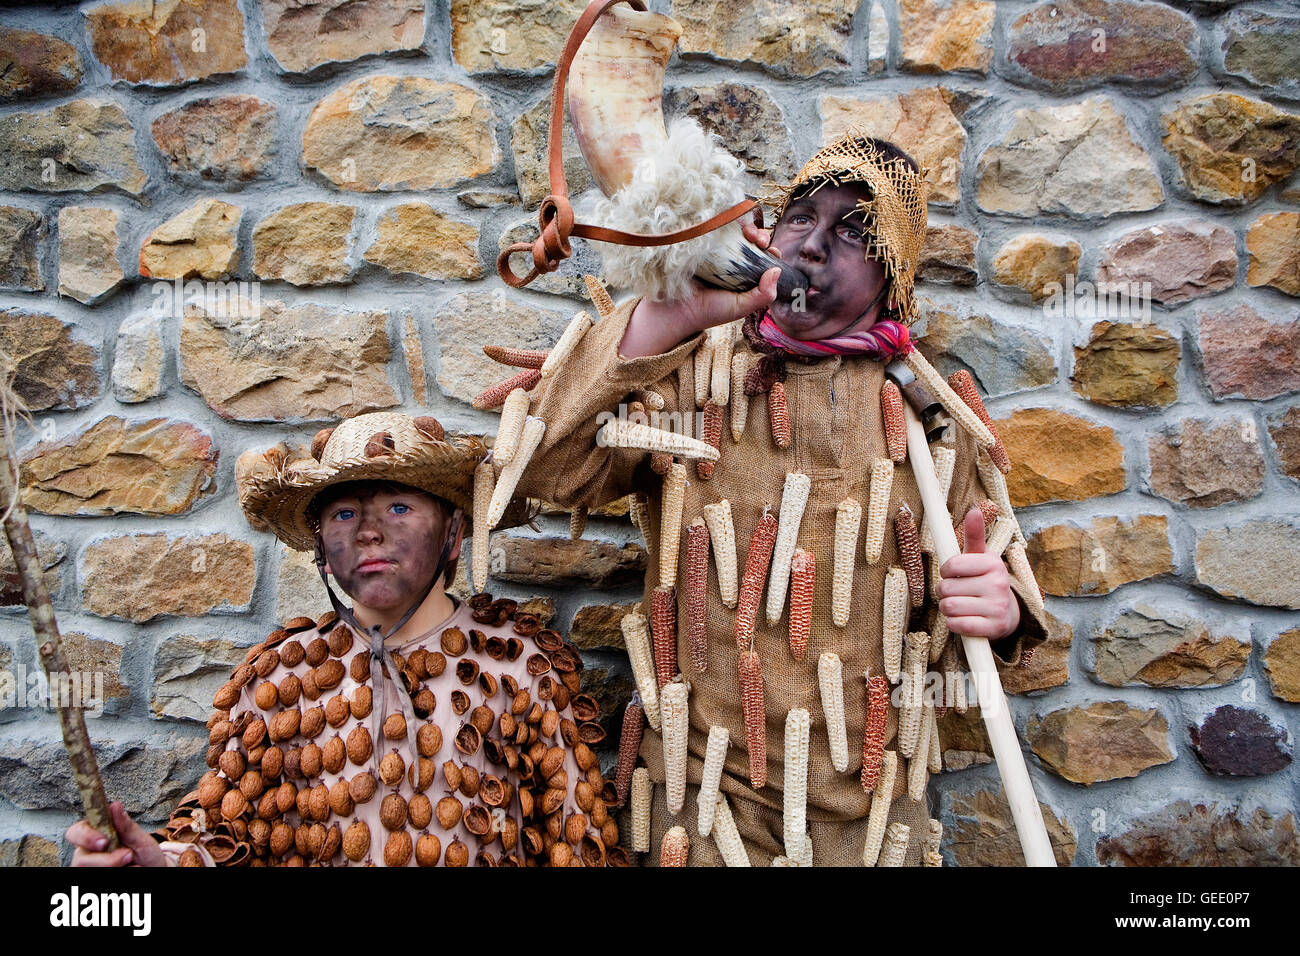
382	133
288	362
154	467
182	577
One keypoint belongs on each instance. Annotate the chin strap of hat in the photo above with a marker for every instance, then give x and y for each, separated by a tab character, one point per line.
381	658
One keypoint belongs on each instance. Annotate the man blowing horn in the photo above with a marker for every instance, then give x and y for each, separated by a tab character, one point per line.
805	722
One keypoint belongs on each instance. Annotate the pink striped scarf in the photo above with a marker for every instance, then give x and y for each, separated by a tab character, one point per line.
885	340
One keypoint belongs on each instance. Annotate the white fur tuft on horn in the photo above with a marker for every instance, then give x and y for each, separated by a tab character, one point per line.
684	182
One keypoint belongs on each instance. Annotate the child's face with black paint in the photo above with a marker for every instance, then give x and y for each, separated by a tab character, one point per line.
823	234
382	545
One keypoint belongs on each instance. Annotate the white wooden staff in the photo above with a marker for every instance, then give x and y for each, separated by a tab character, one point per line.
1016	784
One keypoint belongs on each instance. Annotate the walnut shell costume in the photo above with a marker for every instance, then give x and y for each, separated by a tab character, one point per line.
504	776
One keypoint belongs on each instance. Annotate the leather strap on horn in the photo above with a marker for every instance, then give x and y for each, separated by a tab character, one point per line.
555	217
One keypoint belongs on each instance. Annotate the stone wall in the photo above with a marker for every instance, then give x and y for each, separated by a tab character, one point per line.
357	167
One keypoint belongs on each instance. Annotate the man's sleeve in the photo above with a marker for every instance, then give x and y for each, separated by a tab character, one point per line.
569	468
968	490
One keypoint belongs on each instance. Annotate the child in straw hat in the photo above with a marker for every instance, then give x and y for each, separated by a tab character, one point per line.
789	585
333	741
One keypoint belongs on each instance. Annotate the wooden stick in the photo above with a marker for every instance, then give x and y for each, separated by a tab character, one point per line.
76	740
1025	811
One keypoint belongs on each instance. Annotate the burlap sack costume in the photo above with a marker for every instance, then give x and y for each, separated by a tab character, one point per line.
837	434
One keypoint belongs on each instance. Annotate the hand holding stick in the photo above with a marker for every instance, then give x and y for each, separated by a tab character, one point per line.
85	771
1025	810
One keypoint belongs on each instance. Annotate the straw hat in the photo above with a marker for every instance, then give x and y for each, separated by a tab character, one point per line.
276	493
895	211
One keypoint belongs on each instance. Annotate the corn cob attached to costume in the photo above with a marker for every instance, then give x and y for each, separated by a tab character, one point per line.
873	739
715	756
573	333
636	636
794	498
673	704
881	800
848	516
730	846
697	580
795	790
722	534
830	682
802	573
882	482
895	848
752	705
757	561
642	794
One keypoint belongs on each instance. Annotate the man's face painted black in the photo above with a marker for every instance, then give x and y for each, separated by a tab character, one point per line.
382	546
824	235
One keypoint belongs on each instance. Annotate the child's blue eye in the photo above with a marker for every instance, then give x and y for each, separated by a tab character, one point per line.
343	514
405	508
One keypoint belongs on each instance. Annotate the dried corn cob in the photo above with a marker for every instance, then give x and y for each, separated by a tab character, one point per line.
873	740
629	746
909	554
723	535
673	703
963	383
782	861
882	483
918	763
891	415
649	398
663	628
953	666
935	753
740	364
895	620
660	462
988	511
697	581
938	621
830	681
636	636
636	505
511	426
1001	535
675	848
573	333
703	365
599	295
933	834
915	656
494	396
712	434
778	415
880	804
516	358
945	457
534	429
802	573
996	486
720	370
1020	569
937	386
715	755
751	583
484	480
848	516
751	697
795	791
642	794
794	498
730	846
617	433
895	849
577	522
670	523
930	855
804	856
